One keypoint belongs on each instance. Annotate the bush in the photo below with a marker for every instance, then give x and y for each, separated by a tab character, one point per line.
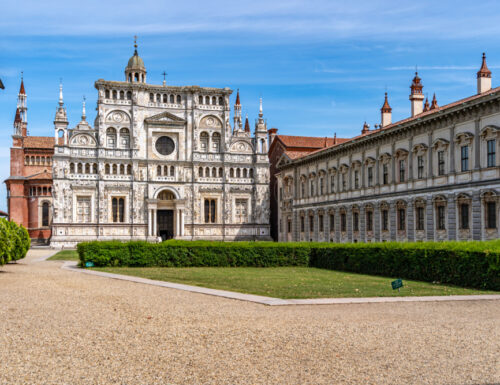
468	264
14	241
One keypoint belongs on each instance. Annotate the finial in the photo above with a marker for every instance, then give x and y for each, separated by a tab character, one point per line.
83	108
135	45
61	101
164	80
22	73
260	108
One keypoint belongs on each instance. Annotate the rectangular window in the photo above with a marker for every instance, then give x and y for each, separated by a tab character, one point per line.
210	210
332	183
311	223
385	220
441	218
420	218
385	174
369	220
464	216
312	188
83	209
281	193
401	171
343	182
45	214
289	226
356	179
343	222
491	215
464	152
241	210
302	224
370	176
420	167
332	222
303	189
440	162
355	220
321	186
491	144
402	220
321	223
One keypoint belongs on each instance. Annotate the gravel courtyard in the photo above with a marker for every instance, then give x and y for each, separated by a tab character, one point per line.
62	327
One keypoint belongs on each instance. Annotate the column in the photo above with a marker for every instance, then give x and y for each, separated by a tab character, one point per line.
452	217
392	220
429	217
452	150
349	223
376	222
155	224
150	228
410	217
182	223
362	223
476	216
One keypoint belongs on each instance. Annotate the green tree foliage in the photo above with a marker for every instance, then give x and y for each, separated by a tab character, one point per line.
14	241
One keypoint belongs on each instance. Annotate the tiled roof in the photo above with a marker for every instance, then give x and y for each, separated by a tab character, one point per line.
297	154
308	141
41	175
39	142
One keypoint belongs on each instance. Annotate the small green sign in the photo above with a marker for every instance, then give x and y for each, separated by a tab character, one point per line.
89	264
397	284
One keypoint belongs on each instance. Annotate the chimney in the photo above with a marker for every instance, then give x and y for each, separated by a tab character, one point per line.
366	129
416	96
272	134
483	77
386	112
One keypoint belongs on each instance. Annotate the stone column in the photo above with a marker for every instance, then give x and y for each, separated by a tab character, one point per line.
429	217
476	215
392	220
452	217
150	227
410	218
155	224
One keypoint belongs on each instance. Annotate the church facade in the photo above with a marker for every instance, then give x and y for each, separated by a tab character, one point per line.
160	161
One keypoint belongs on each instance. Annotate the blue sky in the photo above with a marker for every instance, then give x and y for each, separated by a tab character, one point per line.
320	66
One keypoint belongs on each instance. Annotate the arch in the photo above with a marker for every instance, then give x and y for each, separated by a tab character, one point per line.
207	171
231	172
214	100
200	172
72	168
83	140
129	169
80	168
238	173
172	171
124	138
122	169
106	169
207	99
179	99
165	98
221	101
122	95
245	173
220	172
87	168
158	98
200	99
115	94
115	169
129	95
251	173
158	170
136	76
106	94
216	141
204	141
130	77
111	137
151	97
94	168
214	172
172	99
170	189
210	121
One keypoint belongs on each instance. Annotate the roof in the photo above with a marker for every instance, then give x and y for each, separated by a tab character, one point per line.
21	89
435	111
311	142
3	214
41	175
39	142
484	71
136	62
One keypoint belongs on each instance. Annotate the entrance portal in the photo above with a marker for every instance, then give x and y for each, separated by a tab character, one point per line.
165	224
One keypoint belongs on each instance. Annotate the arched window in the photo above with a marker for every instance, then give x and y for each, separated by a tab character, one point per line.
165	98
263	145
111	137
124	138
115	95
151	97
129	169
45	214
221	101
200	99
214	100
216	142
130	78
80	170
136	77
251	173
129	95
122	169
122	95
238	173
214	172
72	168
158	170
172	171
44	190
179	99
231	172
207	171
94	168
207	99
106	94
106	169
200	172
158	98
204	142
115	169
171	98
87	168
220	172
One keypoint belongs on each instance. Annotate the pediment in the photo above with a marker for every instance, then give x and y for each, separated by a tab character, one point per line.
283	160
165	118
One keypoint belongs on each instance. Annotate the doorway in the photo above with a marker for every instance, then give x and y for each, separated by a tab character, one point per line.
165	224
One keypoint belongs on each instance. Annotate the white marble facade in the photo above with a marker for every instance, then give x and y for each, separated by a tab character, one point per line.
160	162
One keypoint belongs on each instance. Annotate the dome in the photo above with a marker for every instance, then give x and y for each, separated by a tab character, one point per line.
135	62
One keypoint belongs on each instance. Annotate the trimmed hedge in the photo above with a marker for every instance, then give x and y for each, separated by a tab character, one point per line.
467	264
14	241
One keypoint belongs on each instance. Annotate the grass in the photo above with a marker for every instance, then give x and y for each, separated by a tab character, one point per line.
65	255
290	282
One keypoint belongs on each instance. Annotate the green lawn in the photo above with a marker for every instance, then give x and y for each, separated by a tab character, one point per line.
65	255
289	282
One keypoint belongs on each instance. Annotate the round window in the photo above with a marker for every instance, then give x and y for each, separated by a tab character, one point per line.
165	145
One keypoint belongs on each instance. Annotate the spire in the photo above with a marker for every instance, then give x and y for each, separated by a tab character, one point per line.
416	96
17	119
335	138
21	89
22	102
135	45
260	109
426	105
247	125
434	103
61	101
484	71
237	112
84	117
61	110
386	107
366	129
416	85
237	103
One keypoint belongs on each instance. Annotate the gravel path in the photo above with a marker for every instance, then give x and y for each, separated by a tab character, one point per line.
61	327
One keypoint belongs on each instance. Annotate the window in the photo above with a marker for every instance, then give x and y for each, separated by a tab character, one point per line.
420	167
441	218
343	222
491	144
370	176
464	216
369	221
402	220
124	138
111	137
355	219
464	151
491	215
332	183
321	187
356	179
83	209
179	99
332	222
440	162
204	142
303	189
385	220
289	226
311	223
118	209
312	188
165	145
45	214
420	218
302	225
210	210
343	182
385	174
216	142
241	210
401	170
321	223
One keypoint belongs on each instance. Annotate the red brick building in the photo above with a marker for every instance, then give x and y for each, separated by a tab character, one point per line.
29	186
291	147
